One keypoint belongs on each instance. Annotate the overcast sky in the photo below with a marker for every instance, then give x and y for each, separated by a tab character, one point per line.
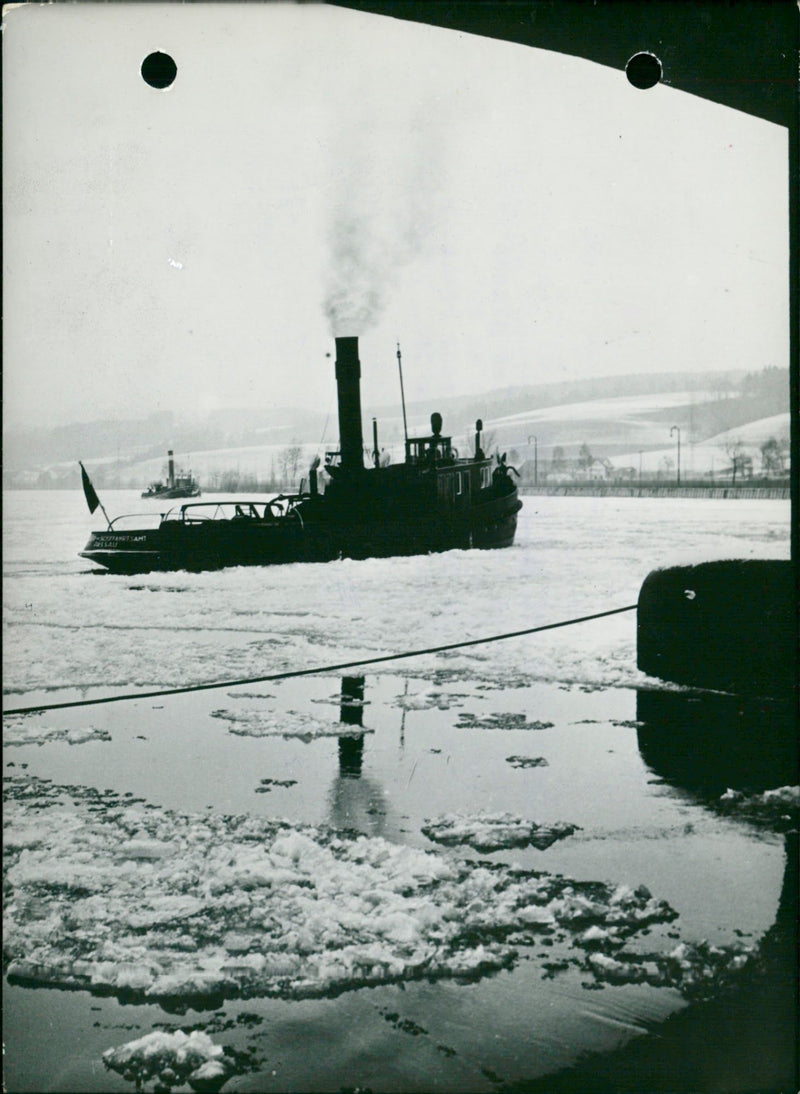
512	216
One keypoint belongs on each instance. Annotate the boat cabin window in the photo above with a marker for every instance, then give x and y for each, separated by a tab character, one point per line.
428	450
247	511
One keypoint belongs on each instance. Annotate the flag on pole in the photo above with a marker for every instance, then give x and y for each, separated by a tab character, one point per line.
92	499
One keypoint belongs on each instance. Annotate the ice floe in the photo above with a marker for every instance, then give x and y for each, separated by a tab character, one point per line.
697	970
500	721
245	623
495	831
143	902
527	761
430	699
266	785
172	1059
778	808
30	731
284	723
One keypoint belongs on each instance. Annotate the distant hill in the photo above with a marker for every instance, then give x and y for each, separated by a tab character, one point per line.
507	401
613	415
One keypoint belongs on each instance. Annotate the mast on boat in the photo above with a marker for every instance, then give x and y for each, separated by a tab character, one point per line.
402	394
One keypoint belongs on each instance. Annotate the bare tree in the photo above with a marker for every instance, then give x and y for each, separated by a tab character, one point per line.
734	450
773	456
289	463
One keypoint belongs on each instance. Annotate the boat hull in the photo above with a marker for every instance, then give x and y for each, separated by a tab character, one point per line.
170	494
125	552
494	522
313	537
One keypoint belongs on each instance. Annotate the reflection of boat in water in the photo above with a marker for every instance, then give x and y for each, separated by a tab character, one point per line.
356	801
435	500
180	485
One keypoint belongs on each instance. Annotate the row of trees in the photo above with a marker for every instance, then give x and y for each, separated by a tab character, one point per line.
774	457
289	467
774	464
286	470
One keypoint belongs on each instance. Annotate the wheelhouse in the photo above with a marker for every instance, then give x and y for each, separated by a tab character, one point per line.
427	451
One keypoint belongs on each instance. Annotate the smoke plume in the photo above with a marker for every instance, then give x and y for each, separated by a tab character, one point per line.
378	225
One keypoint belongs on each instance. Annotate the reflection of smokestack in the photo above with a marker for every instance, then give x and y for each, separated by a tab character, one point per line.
171	469
348	383
351	712
351	702
351	756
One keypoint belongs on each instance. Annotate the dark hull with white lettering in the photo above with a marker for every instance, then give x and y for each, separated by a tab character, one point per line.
210	536
124	552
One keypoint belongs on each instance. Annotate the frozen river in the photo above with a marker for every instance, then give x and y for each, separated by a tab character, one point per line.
456	872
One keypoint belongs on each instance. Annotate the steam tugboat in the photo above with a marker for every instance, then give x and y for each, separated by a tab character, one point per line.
182	485
435	500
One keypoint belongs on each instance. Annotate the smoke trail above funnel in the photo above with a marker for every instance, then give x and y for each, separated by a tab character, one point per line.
380	219
360	276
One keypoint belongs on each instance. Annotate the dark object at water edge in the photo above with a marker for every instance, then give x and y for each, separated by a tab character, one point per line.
729	626
709	742
434	501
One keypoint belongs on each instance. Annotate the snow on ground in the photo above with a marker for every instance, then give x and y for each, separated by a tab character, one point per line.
620	408
114	895
754	434
696	460
710	456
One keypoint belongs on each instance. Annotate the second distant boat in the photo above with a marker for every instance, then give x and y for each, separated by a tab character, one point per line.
182	485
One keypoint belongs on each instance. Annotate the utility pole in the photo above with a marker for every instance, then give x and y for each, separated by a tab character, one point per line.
673	430
535	457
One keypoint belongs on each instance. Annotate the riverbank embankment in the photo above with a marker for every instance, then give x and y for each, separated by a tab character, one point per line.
658	490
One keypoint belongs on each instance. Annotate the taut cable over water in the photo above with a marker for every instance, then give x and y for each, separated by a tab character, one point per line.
319	668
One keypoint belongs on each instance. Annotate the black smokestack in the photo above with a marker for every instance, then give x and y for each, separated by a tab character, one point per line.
171	462
348	383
